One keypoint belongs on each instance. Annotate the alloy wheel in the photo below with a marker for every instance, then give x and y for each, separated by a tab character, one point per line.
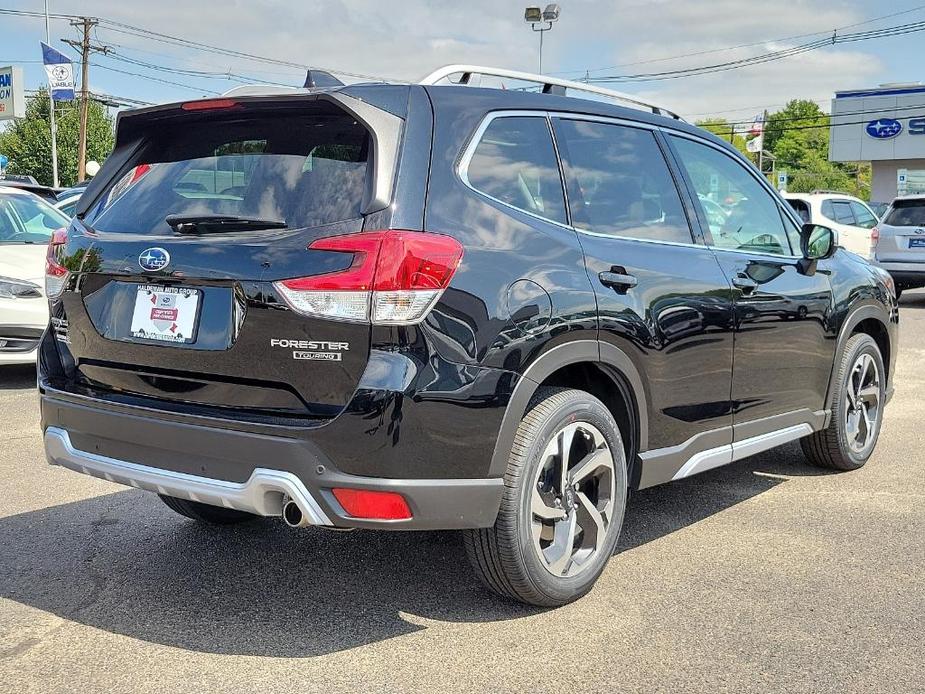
862	403
573	499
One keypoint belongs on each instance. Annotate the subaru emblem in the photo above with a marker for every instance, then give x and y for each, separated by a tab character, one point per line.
154	259
884	128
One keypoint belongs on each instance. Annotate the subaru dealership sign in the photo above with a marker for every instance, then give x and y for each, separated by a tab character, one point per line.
12	97
886	127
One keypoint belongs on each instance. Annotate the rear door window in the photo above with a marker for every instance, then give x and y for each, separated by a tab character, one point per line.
619	183
515	163
843	213
304	171
906	213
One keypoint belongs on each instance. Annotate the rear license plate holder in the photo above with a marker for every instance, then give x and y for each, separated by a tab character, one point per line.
917	243
166	314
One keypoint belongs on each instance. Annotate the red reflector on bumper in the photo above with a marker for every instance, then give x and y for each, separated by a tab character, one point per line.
363	503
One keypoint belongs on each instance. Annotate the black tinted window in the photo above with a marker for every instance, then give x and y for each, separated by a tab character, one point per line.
906	213
619	183
305	170
515	163
801	208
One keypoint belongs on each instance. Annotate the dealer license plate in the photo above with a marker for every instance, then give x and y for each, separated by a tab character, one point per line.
165	314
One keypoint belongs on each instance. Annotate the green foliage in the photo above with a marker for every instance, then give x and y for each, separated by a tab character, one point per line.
797	137
27	142
722	129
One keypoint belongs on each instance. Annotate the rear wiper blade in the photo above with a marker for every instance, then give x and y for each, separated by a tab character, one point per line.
218	223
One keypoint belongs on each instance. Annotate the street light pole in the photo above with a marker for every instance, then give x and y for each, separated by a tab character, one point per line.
541	21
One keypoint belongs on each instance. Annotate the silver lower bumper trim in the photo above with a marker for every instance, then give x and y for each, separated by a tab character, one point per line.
262	494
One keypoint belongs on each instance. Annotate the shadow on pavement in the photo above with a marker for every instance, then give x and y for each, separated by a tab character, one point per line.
17	377
126	564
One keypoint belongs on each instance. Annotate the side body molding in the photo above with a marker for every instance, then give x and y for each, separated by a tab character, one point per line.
606	356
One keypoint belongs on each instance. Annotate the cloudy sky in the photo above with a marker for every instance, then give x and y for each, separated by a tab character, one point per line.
405	39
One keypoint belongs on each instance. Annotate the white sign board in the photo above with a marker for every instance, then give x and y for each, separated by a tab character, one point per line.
782	181
902	183
12	96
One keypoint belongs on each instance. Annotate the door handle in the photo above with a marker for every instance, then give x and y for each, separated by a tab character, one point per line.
745	283
621	281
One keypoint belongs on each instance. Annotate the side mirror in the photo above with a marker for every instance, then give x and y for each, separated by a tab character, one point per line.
817	242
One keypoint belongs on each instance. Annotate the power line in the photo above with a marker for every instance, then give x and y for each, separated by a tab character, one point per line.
898	30
787	119
745	45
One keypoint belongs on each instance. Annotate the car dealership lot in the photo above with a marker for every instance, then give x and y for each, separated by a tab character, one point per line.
766	575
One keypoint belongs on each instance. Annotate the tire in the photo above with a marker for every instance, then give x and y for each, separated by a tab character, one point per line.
549	546
839	446
205	513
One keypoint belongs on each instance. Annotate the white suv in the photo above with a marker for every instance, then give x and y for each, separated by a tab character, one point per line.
847	215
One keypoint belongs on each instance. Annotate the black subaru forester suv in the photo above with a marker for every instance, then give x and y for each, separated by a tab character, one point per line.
439	306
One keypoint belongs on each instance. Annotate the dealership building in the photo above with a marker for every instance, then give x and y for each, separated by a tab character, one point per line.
886	127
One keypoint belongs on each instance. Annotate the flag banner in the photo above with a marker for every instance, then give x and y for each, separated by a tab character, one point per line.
60	73
757	126
756	144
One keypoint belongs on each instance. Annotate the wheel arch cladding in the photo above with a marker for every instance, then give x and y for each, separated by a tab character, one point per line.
877	330
605	372
870	319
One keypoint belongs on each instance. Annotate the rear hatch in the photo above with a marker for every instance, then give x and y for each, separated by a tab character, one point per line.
170	294
902	233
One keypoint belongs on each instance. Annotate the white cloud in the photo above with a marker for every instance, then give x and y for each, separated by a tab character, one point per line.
407	39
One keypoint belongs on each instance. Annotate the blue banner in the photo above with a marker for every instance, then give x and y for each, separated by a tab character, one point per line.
60	73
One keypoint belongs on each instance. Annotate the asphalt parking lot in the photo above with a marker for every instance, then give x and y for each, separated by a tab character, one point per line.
763	576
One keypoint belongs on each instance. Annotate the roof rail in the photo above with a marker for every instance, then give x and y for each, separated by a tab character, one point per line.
550	85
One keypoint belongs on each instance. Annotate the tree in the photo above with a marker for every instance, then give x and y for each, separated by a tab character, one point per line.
722	129
27	142
798	137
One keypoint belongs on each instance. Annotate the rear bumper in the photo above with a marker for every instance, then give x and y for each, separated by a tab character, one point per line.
904	273
109	444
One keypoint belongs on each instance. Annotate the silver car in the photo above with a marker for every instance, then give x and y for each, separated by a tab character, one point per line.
898	242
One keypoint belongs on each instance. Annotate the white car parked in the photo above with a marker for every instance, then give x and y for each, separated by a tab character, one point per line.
26	226
851	218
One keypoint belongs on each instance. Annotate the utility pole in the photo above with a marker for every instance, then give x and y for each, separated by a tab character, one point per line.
51	115
85	24
764	123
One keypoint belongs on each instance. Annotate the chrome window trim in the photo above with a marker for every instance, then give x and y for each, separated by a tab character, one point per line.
472	143
789	211
462	167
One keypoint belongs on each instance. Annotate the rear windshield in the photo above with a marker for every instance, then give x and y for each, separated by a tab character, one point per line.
801	208
906	213
302	170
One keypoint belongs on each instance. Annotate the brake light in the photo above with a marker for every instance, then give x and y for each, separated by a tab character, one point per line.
55	273
363	503
208	104
395	277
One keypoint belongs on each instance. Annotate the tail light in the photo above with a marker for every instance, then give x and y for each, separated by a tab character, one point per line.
395	278
55	272
364	503
874	240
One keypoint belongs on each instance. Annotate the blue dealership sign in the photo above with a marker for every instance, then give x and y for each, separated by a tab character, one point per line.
884	128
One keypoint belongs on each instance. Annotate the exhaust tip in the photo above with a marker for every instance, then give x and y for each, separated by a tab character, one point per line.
293	516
